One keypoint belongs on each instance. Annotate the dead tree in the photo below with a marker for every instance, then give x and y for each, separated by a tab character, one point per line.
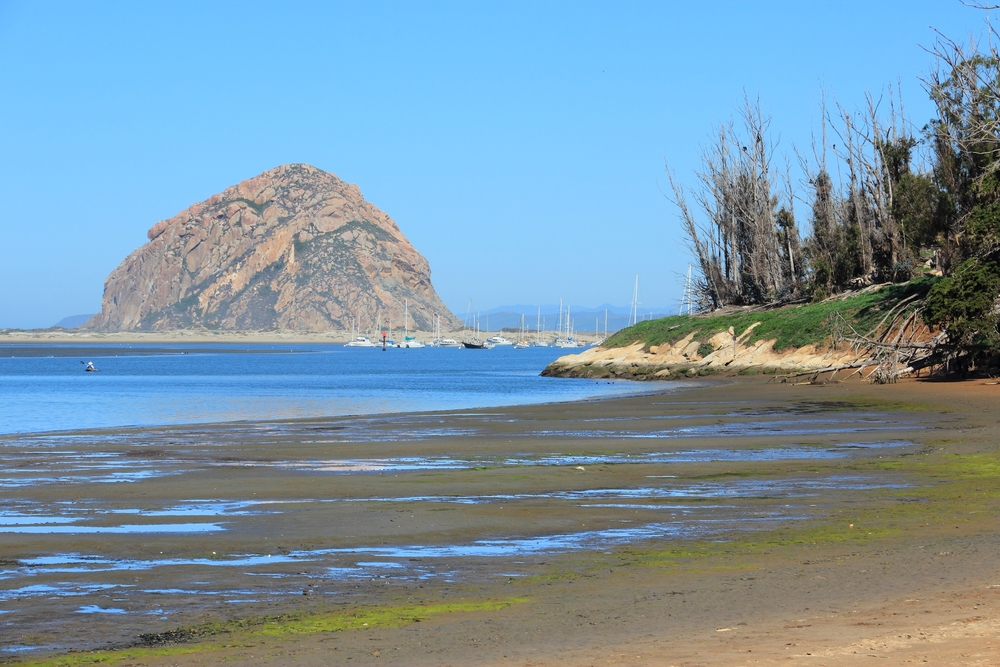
857	238
745	254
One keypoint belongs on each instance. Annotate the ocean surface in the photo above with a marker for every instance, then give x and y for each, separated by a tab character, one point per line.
46	388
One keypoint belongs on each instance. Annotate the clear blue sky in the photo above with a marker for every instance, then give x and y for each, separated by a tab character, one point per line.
519	145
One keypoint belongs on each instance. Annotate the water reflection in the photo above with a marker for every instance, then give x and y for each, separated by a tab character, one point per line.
705	455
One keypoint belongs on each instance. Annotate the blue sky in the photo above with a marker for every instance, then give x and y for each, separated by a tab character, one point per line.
519	146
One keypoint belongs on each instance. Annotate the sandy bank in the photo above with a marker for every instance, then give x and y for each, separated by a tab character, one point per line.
725	354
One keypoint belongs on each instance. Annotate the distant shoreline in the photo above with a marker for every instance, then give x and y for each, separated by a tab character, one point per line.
48	336
52	336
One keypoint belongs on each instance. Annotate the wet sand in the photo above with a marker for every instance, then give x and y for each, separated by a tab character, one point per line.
729	522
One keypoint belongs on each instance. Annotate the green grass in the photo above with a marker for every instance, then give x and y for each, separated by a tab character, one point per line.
789	327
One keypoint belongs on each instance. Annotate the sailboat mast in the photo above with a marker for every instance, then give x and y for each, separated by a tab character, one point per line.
634	315
560	323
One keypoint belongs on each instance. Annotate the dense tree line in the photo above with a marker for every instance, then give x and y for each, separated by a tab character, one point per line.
876	213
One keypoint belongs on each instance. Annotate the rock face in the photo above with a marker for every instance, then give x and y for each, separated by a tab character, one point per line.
294	248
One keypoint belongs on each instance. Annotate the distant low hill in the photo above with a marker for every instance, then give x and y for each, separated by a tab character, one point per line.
73	321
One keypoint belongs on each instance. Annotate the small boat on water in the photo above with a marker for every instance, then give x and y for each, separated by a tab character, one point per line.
89	367
442	342
538	332
522	343
360	341
408	340
568	341
500	341
476	343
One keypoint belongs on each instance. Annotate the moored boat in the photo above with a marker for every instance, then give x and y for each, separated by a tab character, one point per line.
360	341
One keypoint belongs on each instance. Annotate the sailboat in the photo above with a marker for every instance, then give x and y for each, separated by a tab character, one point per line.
522	343
408	340
600	341
359	340
442	342
538	331
476	343
633	317
568	340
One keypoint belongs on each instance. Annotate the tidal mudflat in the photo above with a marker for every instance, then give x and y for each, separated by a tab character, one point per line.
691	526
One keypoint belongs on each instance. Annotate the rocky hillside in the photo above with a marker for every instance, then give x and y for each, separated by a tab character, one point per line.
293	248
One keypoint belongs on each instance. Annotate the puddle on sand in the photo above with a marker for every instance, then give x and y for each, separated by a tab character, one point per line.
30	517
415	463
111	478
736	429
22	649
95	609
63	589
70	563
43	466
125	529
738	488
258	564
565	542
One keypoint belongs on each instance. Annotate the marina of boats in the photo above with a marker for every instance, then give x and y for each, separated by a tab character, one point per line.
475	337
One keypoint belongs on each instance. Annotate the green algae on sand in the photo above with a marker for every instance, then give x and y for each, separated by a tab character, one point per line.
209	637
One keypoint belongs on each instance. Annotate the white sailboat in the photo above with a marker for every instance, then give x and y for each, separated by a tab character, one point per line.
538	331
600	341
442	342
633	316
568	341
522	343
359	340
409	341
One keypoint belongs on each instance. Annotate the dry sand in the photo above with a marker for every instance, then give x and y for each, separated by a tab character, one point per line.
839	556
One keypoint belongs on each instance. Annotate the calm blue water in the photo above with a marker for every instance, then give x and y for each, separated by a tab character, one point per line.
193	385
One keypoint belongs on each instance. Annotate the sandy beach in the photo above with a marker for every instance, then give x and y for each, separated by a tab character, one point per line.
723	522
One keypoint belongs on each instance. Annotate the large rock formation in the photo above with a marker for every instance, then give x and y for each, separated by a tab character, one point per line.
293	248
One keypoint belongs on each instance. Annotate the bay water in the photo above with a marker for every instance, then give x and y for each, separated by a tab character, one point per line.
46	388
